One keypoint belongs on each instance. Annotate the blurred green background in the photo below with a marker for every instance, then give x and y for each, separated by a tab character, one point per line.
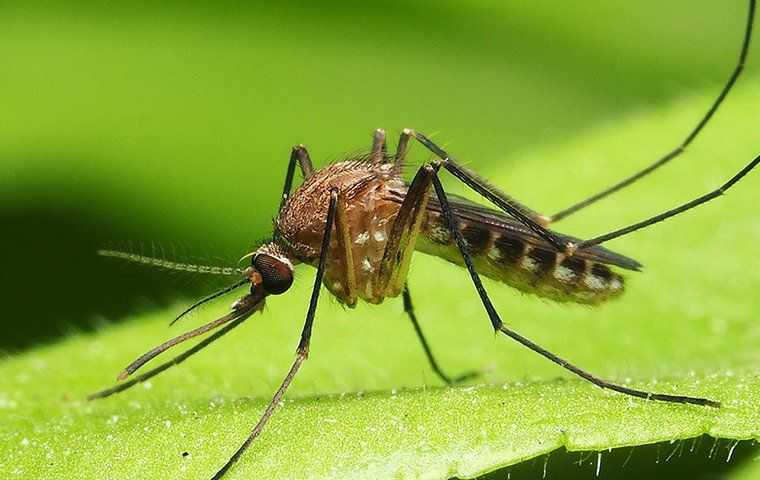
134	125
166	128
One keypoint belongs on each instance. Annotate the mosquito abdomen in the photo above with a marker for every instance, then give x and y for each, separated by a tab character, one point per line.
528	267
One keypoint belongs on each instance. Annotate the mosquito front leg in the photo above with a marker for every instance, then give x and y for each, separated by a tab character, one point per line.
498	324
302	352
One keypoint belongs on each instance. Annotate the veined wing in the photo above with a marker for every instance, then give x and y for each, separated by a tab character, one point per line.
496	220
503	249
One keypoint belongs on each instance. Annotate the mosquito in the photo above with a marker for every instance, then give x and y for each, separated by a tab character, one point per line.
359	222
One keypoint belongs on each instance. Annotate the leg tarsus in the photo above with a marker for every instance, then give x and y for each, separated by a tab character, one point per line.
409	309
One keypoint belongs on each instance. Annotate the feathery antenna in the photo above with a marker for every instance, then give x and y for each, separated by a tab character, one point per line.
170	265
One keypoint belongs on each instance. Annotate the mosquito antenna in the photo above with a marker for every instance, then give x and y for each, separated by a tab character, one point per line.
218	294
248	306
170	265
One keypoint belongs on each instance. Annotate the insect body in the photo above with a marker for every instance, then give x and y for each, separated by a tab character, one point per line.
364	224
372	192
359	222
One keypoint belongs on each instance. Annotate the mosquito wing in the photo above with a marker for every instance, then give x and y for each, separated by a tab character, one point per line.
498	222
505	250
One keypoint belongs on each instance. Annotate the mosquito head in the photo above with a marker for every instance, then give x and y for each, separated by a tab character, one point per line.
270	271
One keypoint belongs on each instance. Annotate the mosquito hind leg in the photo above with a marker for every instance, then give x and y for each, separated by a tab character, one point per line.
343	232
678	150
499	326
447	379
391	275
672	212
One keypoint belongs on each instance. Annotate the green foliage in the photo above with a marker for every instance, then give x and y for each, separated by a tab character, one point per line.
366	404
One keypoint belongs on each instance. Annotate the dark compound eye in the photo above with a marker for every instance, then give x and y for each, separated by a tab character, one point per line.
276	275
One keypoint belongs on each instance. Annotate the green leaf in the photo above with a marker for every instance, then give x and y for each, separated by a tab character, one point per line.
366	404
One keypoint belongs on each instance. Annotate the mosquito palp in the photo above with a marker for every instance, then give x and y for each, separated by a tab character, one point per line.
358	222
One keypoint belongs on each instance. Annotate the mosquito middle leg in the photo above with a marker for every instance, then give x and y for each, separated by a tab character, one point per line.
344	245
302	352
402	236
447	379
499	326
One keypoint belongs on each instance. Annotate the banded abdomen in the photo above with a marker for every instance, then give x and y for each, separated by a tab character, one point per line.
504	250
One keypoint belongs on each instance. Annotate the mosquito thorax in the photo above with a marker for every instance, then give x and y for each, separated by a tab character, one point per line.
272	271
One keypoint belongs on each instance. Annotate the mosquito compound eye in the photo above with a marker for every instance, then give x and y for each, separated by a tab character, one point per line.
276	275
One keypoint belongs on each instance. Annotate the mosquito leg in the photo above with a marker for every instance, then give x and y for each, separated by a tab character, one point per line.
403	146
378	145
398	253
498	325
303	345
344	245
409	309
402	235
685	143
174	361
520	212
299	155
673	212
